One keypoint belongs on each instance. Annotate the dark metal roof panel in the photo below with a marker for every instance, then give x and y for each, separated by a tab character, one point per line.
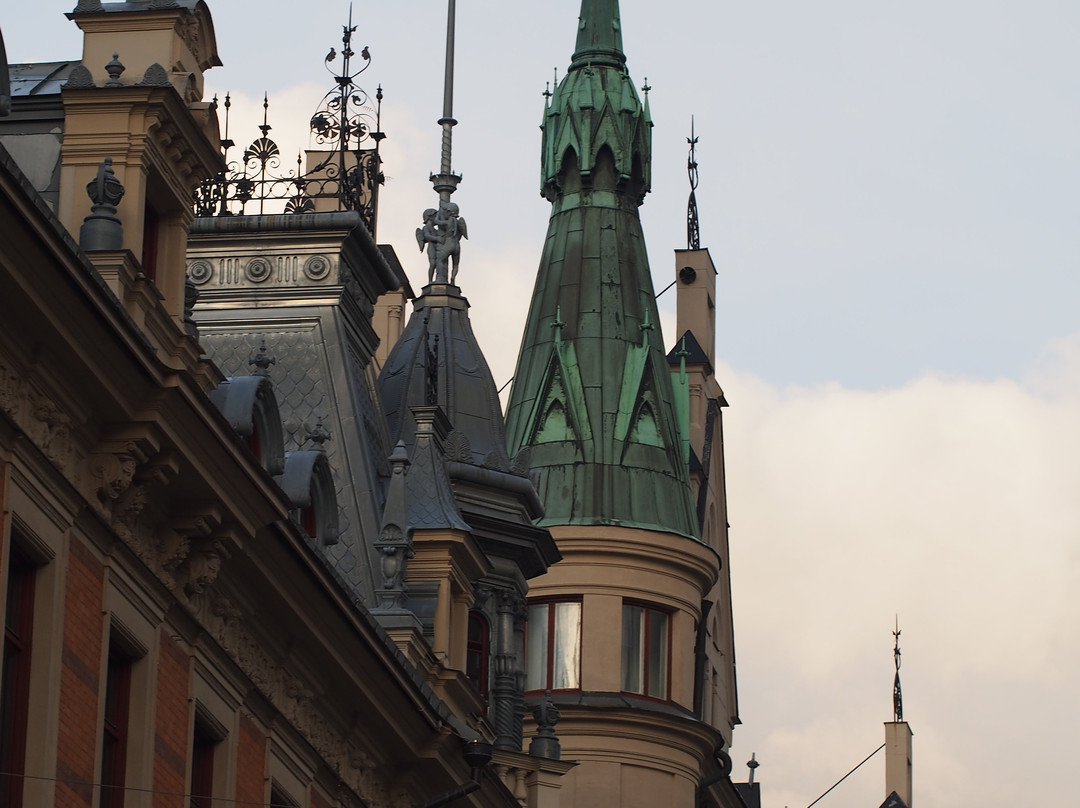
39	78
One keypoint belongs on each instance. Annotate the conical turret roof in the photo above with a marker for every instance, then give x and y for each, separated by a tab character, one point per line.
437	360
592	394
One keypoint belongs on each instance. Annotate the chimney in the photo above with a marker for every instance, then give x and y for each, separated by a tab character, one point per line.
898	760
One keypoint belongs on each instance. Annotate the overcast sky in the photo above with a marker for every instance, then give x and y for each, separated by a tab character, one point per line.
891	193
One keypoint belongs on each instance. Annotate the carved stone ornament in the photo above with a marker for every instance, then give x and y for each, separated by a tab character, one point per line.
113	472
522	462
12	391
317	267
190	33
102	229
457	447
80	77
200	272
257	270
297	703
155	76
51	431
88	7
203	566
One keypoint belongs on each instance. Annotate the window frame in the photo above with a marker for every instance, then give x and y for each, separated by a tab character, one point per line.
204	745
115	731
16	676
550	635
644	656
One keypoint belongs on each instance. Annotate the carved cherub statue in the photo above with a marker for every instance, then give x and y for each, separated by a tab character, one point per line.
429	235
451	230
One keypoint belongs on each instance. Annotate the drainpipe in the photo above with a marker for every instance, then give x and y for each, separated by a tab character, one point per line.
722	758
477	754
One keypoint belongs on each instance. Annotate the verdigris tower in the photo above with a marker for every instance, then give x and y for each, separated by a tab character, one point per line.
614	630
592	393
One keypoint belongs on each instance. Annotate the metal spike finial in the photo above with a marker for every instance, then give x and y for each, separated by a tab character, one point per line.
693	231
752	764
446	181
898	700
441	233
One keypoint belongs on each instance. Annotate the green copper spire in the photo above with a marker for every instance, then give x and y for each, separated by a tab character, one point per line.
592	395
599	39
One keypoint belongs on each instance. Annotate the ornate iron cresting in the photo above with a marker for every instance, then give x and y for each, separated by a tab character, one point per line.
346	129
693	234
897	698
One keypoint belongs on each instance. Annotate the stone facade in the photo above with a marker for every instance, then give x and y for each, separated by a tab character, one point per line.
193	493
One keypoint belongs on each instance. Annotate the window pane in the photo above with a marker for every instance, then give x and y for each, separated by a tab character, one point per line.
536	633
632	632
658	654
567	652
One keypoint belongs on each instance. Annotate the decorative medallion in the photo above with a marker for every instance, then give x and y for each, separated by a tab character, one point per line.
200	272
257	270
317	267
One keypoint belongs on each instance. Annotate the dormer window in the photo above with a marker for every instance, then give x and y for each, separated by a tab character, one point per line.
309	520
309	484
254	443
249	405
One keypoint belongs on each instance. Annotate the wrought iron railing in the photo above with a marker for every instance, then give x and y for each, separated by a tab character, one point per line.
347	171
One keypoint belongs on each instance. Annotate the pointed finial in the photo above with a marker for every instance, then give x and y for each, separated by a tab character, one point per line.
693	231
752	764
114	69
558	324
898	701
265	128
645	328
262	360
319	435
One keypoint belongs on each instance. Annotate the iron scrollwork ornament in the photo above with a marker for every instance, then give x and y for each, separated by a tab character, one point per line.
346	127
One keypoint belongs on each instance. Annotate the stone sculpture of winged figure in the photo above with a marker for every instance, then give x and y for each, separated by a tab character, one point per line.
428	235
451	230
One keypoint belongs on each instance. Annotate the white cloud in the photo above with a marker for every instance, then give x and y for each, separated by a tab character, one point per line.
952	502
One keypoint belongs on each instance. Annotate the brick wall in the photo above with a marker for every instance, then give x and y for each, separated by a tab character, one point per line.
251	763
80	677
171	737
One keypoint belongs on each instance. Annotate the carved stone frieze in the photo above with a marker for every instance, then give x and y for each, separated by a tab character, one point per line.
12	391
202	566
113	471
296	701
51	430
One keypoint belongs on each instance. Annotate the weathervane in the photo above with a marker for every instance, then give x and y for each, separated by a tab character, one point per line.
898	701
443	229
693	234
